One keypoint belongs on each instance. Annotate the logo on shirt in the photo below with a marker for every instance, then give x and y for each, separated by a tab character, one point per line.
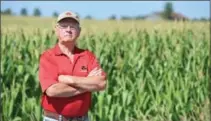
84	69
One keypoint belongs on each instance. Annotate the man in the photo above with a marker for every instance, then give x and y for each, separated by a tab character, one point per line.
68	74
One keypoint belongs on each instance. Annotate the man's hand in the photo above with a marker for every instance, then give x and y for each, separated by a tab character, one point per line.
65	79
96	72
95	81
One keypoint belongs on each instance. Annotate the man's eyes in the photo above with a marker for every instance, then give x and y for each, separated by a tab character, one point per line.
66	25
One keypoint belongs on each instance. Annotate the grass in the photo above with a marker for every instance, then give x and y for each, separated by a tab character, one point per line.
157	71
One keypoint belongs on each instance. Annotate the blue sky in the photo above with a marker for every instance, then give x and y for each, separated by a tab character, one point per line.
104	9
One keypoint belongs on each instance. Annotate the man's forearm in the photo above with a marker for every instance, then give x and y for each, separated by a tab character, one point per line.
92	83
63	90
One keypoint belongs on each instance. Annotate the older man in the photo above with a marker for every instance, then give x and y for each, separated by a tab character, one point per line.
68	74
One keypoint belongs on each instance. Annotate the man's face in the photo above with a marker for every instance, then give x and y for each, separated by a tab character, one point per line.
67	30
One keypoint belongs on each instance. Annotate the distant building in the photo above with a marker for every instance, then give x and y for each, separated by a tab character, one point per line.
158	16
155	16
178	16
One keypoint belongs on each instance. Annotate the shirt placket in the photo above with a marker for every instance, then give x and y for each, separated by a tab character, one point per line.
75	59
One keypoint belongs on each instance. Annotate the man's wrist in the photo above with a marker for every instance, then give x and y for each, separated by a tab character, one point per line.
71	80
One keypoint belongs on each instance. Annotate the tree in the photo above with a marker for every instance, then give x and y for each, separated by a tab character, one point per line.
168	10
195	19
139	17
77	14
8	11
37	12
112	17
24	12
55	14
204	19
89	17
125	18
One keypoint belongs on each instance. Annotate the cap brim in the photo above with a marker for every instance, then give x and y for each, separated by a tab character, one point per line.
67	17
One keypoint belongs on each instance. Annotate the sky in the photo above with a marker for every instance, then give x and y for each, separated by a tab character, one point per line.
104	9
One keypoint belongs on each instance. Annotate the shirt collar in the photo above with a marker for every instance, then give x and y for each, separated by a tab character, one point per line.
58	51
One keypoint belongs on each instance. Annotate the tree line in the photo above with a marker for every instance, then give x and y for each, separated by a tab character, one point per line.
23	12
165	14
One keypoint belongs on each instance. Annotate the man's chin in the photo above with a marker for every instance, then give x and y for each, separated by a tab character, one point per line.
68	41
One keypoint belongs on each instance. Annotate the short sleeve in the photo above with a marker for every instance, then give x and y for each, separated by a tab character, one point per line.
93	63
47	71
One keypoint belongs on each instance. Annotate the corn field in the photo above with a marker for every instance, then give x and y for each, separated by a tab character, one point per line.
155	73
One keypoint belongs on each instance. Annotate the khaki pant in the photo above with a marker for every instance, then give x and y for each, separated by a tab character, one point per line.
45	118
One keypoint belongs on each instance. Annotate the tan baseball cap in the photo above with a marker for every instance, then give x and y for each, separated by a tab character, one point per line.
68	14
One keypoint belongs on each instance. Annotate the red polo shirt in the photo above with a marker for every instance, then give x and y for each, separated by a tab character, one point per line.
54	63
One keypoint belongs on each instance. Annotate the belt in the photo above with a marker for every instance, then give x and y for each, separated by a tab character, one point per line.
63	118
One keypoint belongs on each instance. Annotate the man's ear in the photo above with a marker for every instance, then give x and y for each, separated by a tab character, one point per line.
55	30
55	27
79	31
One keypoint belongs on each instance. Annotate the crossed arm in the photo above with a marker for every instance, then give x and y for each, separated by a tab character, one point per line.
72	85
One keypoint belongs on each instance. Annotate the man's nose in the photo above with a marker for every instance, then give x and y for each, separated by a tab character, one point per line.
68	28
